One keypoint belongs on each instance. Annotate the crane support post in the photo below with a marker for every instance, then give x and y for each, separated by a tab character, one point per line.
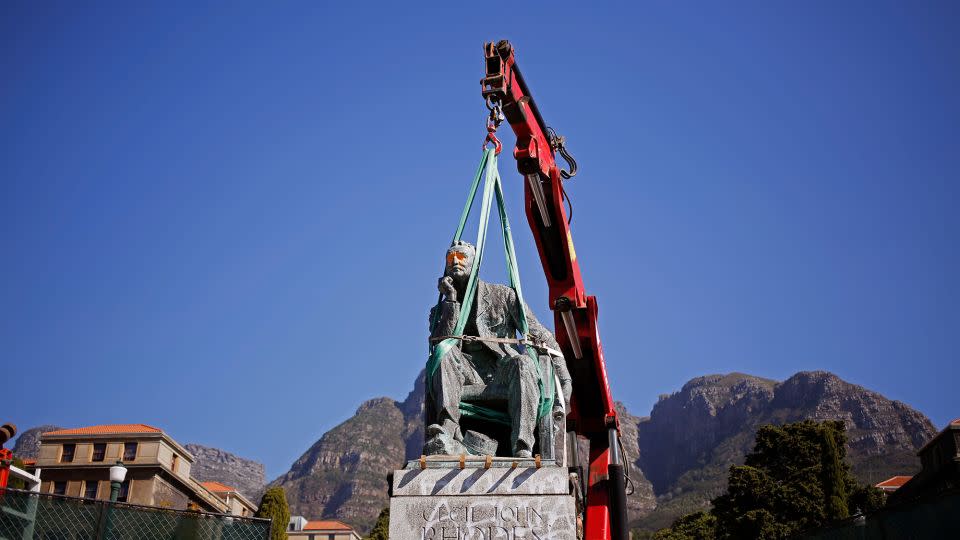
592	413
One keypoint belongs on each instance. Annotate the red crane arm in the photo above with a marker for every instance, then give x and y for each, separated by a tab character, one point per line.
592	413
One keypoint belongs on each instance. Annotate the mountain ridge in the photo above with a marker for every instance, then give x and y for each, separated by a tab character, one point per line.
678	456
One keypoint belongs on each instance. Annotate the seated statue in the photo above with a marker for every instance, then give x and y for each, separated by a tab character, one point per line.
497	367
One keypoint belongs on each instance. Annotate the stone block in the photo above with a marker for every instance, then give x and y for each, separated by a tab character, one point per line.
482	504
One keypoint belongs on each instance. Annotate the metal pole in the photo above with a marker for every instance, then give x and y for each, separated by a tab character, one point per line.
114	495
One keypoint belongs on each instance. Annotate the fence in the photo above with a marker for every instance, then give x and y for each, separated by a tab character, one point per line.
936	516
26	515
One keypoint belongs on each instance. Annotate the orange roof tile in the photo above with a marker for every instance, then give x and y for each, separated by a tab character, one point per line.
29	462
327	525
217	487
956	422
895	481
108	429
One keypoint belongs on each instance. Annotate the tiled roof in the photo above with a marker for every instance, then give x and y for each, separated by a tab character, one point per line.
329	524
217	487
108	429
956	422
896	481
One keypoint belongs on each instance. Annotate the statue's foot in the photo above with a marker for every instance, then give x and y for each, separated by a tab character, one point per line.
523	454
443	444
433	430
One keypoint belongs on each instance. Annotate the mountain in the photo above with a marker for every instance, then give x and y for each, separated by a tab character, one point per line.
213	464
694	435
678	456
344	474
28	442
641	500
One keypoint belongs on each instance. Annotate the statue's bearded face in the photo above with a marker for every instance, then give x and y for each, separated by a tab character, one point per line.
459	262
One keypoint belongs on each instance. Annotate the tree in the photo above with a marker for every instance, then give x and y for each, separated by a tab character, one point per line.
695	526
833	479
381	529
273	506
795	479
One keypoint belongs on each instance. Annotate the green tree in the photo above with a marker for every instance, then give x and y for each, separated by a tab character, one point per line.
796	478
833	478
695	526
865	498
273	506
381	529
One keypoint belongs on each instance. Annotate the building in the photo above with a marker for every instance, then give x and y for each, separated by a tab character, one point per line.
892	484
940	462
301	529
76	462
237	503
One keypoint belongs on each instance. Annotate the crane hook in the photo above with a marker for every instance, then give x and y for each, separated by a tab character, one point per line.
493	123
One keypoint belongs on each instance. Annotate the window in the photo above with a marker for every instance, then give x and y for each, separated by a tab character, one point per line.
60	488
124	491
129	451
99	451
173	463
66	453
90	489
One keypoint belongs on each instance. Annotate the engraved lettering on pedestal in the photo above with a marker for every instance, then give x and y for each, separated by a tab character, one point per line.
483	521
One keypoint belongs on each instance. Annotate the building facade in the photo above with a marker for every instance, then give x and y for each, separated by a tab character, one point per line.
76	462
940	459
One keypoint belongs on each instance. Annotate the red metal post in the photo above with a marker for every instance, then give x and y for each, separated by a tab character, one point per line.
592	413
6	459
597	522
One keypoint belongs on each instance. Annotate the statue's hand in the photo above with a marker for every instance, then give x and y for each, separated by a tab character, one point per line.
445	285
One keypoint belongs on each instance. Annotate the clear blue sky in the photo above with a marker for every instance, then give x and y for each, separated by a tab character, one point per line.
229	221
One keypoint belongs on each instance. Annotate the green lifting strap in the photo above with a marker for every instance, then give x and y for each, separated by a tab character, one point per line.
492	188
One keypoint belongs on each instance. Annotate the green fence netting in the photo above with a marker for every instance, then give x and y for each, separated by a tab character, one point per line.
26	515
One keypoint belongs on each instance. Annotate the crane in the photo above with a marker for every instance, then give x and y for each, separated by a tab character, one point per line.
592	413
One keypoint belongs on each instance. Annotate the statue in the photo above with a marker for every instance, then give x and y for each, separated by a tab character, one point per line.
499	367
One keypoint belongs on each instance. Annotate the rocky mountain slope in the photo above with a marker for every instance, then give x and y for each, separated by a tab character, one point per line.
679	456
213	464
694	435
344	474
28	442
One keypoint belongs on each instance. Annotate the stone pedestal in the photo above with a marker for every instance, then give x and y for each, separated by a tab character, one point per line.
502	499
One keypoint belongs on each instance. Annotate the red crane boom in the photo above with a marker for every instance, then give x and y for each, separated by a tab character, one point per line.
592	414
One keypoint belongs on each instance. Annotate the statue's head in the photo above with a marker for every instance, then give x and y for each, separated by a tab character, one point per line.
460	260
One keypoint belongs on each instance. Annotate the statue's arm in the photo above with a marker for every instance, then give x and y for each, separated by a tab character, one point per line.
449	313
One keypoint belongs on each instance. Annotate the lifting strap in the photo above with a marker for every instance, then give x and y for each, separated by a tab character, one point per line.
492	188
